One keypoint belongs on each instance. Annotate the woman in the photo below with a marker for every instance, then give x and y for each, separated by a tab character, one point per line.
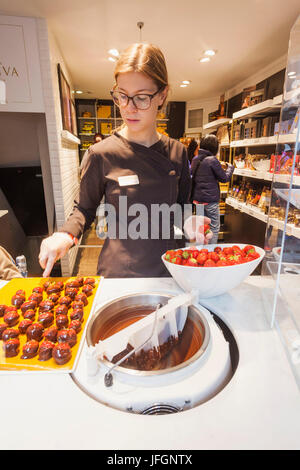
135	165
207	172
192	150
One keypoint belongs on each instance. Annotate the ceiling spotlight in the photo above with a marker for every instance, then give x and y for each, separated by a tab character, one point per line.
114	52
183	86
112	59
210	52
186	82
205	59
79	92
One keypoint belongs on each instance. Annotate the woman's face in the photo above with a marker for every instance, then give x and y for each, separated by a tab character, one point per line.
133	83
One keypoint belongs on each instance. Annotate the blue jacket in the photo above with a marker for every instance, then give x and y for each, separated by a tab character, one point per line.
207	172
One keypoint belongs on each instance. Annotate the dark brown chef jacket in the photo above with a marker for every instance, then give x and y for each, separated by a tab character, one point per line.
164	177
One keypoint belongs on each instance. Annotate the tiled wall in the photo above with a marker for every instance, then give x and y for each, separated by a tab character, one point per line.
64	159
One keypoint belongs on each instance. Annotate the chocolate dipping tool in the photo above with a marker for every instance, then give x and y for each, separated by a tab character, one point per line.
149	332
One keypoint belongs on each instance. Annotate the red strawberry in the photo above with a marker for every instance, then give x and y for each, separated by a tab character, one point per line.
228	250
192	262
217	249
209	263
201	258
248	248
221	263
186	254
169	254
214	256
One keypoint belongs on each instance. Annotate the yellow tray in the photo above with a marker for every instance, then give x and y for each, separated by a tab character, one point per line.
33	364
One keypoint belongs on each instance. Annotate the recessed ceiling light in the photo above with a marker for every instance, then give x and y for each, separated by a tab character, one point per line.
112	59
114	52
183	86
186	82
79	92
205	59
210	52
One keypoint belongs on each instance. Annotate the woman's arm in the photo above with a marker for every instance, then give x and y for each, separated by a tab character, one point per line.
220	174
91	191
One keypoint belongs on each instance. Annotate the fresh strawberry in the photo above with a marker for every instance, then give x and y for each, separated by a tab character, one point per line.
206	229
204	250
179	252
221	263
195	253
191	262
253	255
249	249
218	249
209	263
201	258
169	254
186	254
228	250
214	256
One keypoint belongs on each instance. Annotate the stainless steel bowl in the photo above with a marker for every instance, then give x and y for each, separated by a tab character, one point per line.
110	313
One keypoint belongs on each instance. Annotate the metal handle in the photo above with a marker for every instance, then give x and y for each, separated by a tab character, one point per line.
108	378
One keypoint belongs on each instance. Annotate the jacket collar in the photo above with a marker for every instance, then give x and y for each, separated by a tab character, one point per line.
204	153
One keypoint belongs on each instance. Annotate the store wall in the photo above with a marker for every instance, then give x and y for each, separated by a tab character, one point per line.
64	158
210	105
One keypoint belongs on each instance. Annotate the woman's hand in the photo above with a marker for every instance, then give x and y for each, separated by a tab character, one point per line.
194	229
52	249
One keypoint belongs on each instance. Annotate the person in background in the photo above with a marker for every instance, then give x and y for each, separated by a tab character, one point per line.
97	138
207	172
192	150
8	269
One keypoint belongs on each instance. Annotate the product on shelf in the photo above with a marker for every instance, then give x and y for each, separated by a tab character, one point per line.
104	111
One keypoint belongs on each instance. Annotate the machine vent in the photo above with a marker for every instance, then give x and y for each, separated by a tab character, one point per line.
160	409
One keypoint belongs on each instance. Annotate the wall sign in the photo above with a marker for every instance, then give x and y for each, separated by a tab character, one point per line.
20	64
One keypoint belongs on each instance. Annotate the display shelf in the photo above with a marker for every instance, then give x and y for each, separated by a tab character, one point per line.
267	176
259	109
272	140
243	207
261	175
215	124
291	229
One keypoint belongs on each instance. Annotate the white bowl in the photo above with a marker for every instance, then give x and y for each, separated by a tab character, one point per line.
239	164
215	280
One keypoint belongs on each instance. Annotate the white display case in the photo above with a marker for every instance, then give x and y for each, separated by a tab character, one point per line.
282	242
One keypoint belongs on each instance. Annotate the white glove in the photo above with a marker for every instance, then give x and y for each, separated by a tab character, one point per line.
52	249
193	229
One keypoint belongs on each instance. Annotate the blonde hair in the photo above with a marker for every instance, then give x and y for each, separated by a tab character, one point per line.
144	58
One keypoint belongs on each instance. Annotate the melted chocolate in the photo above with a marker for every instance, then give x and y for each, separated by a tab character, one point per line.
170	354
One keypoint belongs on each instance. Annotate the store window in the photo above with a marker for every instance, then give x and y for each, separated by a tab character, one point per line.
195	118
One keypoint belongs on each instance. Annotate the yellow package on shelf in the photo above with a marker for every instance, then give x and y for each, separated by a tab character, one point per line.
104	112
106	127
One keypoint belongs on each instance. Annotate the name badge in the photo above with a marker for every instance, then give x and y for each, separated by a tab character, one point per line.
128	180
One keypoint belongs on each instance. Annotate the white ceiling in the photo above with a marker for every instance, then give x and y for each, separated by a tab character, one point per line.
248	35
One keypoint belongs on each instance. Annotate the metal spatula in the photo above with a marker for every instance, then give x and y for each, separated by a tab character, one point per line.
150	332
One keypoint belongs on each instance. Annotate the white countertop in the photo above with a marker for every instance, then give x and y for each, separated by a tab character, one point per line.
258	409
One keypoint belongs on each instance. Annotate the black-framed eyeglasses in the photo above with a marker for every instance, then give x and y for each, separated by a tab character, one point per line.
140	101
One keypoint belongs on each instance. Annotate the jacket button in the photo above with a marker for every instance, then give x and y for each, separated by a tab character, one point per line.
172	172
